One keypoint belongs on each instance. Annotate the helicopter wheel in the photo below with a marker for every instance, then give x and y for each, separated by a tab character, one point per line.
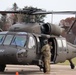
72	66
42	66
2	68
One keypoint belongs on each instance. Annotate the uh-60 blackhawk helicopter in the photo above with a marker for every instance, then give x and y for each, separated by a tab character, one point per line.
22	44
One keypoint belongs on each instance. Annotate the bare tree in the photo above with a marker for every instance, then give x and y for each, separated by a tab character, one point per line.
66	23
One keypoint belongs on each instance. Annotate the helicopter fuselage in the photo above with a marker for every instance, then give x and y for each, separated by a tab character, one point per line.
22	48
25	48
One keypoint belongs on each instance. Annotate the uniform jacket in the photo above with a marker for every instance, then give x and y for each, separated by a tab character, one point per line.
46	51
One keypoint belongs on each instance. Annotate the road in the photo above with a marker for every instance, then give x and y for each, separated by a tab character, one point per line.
34	70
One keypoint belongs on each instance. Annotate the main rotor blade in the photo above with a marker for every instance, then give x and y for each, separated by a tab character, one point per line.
38	12
71	26
18	12
55	12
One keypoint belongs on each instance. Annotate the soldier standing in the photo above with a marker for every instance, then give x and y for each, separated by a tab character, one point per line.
46	51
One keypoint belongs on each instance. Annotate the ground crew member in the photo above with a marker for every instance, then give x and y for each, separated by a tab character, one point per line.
46	52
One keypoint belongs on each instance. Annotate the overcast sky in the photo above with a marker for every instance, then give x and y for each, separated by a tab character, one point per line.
49	5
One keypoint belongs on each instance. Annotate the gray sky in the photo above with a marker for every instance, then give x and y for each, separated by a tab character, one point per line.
49	5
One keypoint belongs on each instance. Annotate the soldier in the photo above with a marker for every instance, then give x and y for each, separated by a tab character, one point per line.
46	51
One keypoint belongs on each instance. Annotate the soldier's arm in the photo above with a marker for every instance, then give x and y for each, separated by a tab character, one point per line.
42	49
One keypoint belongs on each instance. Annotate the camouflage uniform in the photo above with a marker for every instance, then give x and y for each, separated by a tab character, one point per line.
46	56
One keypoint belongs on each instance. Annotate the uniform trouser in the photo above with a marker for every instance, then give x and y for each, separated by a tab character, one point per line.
47	64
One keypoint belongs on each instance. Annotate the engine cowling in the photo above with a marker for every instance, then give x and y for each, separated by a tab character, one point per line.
51	29
46	28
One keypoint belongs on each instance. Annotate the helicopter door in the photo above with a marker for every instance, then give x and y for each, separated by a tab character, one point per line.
61	50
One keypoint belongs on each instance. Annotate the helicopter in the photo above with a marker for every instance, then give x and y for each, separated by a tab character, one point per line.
22	43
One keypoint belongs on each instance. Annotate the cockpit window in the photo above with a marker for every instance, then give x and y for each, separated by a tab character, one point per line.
1	38
8	40
31	43
19	40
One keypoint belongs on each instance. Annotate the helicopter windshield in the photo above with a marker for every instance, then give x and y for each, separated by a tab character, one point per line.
1	39
19	40
8	39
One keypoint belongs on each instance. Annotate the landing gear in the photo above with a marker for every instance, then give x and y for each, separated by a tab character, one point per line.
71	64
41	65
43	68
2	68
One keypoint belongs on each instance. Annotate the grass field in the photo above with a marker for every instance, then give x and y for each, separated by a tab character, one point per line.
67	62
